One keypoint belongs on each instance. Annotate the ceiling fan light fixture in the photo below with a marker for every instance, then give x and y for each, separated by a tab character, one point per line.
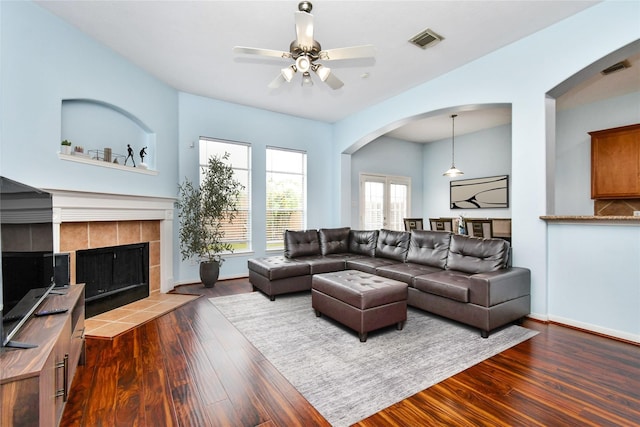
288	73
306	79
322	72
303	64
453	170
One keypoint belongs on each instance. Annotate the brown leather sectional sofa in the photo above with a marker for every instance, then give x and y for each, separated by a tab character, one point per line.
463	278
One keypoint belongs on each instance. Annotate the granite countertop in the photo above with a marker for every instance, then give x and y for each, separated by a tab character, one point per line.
591	218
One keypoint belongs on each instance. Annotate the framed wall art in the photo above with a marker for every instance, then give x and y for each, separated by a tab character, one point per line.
480	193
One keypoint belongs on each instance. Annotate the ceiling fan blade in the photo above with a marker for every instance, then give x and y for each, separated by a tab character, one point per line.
277	82
334	82
328	77
304	30
261	52
364	51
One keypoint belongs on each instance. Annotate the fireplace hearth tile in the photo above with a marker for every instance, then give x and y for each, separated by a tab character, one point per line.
115	322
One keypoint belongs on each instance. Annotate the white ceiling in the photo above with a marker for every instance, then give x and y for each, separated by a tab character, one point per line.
188	45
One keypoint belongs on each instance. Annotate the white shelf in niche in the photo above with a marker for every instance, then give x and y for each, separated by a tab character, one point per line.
89	161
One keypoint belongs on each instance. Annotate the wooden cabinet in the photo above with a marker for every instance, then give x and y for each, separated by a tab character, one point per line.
615	163
34	382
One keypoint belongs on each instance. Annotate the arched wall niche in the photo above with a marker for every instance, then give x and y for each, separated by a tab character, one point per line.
96	125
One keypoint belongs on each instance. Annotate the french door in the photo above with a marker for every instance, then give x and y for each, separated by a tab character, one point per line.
384	201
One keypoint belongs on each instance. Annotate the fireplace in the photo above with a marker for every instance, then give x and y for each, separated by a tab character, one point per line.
113	276
87	220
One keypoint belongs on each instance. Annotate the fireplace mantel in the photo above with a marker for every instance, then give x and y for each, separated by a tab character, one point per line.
78	206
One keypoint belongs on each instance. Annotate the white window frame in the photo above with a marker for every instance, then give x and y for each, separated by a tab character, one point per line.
273	243
203	163
387	181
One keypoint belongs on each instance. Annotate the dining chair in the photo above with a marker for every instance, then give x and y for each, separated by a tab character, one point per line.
480	228
413	224
441	224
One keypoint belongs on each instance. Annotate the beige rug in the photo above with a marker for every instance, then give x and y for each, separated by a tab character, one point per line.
115	322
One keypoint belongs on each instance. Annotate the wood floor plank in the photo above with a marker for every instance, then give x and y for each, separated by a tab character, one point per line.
559	377
129	410
231	367
205	378
188	407
158	407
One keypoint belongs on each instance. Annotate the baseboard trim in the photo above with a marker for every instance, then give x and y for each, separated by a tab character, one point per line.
596	330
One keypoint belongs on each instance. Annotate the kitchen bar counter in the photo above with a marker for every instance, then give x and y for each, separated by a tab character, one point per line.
581	219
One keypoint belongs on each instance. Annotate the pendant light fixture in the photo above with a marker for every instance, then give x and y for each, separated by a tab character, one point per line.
453	171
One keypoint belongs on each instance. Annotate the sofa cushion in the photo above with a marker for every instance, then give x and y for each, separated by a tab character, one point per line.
322	264
301	243
393	244
449	284
334	240
475	255
368	264
429	248
363	242
405	271
278	267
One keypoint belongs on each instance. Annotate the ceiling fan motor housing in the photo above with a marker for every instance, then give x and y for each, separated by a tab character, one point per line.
297	51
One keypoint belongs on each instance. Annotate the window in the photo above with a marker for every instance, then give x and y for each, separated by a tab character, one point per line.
237	233
286	194
384	201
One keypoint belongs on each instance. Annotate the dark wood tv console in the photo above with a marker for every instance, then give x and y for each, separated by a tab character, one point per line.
42	375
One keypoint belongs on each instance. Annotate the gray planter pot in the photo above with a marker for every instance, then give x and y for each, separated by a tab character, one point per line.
209	272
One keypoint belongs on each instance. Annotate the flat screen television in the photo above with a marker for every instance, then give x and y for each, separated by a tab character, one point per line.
26	240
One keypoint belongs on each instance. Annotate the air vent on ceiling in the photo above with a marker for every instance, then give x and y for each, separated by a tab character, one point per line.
616	67
425	39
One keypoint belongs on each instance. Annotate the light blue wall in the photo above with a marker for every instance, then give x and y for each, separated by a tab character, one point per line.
573	148
217	119
519	74
46	61
594	277
479	154
388	156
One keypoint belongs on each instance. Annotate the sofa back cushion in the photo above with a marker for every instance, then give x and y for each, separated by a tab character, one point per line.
475	255
429	248
301	243
393	244
363	242
334	240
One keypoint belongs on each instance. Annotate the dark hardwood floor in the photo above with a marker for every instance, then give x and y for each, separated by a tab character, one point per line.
190	367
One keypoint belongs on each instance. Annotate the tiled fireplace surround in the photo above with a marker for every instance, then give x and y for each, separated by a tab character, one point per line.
84	220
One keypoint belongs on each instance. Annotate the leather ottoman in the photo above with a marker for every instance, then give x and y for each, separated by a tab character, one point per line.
361	301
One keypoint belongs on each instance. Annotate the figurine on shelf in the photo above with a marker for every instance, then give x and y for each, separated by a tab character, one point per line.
462	227
130	154
143	153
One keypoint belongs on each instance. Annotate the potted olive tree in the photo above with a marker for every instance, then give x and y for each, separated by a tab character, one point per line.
202	211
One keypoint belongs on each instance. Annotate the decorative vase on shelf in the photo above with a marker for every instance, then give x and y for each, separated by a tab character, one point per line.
65	147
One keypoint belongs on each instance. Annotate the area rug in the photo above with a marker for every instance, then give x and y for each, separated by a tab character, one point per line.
344	379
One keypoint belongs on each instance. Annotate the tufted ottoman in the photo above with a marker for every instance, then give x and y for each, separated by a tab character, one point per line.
362	301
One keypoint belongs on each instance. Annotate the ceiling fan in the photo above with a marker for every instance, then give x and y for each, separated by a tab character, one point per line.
305	51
